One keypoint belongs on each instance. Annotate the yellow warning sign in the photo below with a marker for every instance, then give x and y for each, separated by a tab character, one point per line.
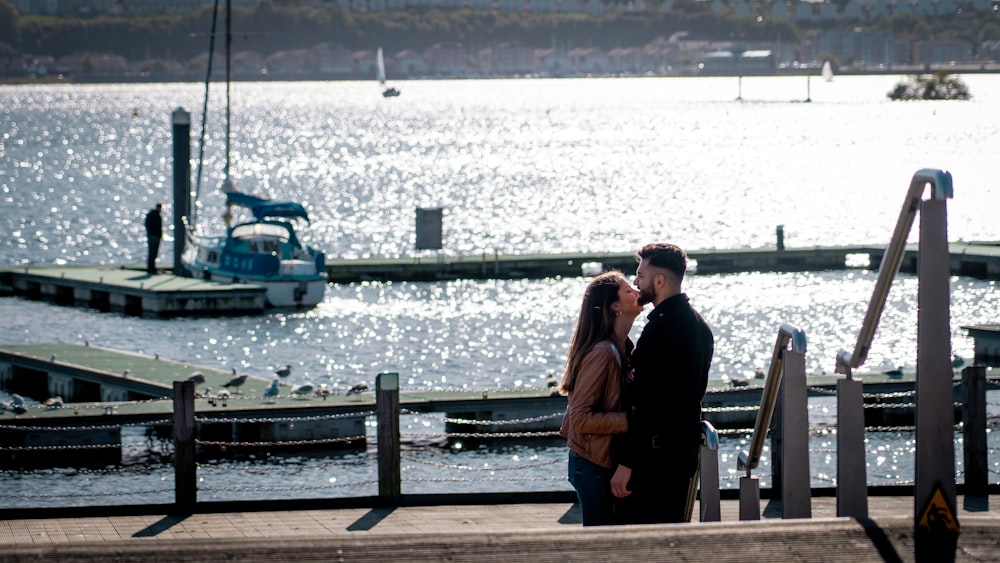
938	516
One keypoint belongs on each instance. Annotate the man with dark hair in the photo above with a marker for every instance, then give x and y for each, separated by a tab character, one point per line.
154	233
659	454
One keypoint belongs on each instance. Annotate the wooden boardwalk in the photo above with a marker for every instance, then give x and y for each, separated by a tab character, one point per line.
485	533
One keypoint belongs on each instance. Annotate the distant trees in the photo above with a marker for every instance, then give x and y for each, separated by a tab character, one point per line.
275	25
9	27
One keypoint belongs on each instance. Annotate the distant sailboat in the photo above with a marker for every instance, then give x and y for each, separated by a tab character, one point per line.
380	75
827	71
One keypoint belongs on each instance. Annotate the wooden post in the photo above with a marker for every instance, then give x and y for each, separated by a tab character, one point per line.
974	432
185	468
387	413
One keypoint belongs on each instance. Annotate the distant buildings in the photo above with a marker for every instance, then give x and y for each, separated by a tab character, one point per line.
798	10
866	48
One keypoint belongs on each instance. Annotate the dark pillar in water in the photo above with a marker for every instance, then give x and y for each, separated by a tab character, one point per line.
780	231
181	121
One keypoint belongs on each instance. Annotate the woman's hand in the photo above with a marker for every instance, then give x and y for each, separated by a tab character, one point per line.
619	481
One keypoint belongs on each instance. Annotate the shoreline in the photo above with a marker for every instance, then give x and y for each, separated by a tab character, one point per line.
956	69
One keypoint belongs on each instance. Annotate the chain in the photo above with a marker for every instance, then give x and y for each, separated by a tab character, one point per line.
162	422
551	434
747	408
272	469
283	443
283	489
288	418
504	422
470	468
489	479
138	468
58	448
26	496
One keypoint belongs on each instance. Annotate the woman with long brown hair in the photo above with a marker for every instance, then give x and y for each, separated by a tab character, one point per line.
598	361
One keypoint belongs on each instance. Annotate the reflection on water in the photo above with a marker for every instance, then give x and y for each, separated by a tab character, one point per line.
518	166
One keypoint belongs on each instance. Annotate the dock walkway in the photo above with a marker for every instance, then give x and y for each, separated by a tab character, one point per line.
493	532
128	290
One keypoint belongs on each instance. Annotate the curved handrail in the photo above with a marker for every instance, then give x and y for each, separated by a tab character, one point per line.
788	334
941	188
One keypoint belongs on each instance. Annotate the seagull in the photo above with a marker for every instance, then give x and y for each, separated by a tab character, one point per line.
898	372
54	402
126	373
236	382
272	390
323	391
957	362
553	384
358	388
197	377
16	404
304	389
759	373
284	372
738	381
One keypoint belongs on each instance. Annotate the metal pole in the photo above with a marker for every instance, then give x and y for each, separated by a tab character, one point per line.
935	519
795	487
708	475
182	184
185	468
387	413
852	477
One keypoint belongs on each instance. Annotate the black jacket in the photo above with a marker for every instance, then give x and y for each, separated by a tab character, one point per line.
670	373
154	224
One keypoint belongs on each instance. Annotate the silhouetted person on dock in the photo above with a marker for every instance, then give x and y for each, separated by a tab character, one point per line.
595	372
154	233
659	453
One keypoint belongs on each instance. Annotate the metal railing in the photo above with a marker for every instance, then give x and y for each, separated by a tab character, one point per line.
706	478
788	356
933	347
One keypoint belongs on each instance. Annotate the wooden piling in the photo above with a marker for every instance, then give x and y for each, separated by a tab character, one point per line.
974	432
387	413
185	468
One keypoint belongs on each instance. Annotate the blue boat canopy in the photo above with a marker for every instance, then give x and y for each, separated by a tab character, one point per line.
264	208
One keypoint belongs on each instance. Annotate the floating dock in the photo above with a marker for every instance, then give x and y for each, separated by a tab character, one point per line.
980	260
131	291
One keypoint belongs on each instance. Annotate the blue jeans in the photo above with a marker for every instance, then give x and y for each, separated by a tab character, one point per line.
593	487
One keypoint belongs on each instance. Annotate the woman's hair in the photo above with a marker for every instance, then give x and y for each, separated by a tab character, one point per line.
596	323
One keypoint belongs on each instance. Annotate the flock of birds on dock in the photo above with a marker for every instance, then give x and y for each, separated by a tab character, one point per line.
18	406
273	390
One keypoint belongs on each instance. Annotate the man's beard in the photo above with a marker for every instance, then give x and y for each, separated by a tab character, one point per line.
646	296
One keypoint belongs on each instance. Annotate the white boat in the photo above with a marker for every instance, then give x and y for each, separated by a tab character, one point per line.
262	249
265	251
827	71
389	92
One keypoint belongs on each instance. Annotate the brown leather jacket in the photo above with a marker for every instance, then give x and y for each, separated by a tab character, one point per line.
593	412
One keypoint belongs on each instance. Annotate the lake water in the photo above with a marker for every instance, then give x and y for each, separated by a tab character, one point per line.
518	166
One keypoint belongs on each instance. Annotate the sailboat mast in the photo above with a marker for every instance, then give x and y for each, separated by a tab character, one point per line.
229	47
